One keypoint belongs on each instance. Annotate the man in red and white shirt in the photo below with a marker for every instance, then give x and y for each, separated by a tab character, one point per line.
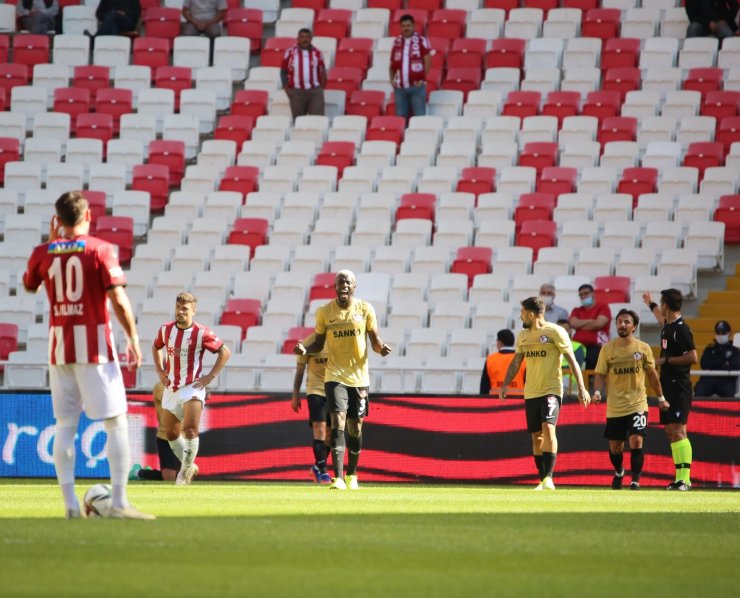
81	274
410	63
184	342
303	74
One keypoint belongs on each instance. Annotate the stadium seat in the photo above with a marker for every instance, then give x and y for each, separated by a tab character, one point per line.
721	104
617	128
522	104
176	78
601	104
153	52
611	289
536	234
235	127
92	77
155	180
73	101
603	23
170	153
539	155
703	155
118	230
703	80
728	131
472	261
162	21
246	22
12	75
109	50
637	181
9	152
116	102
8	339
242	312
367	103
557	180
622	79
251	232
94	126
30	49
506	53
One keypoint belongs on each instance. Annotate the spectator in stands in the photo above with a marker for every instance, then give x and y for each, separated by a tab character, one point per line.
303	74
570	384
712	17
116	17
410	62
553	313
719	355
203	17
591	323
38	16
494	370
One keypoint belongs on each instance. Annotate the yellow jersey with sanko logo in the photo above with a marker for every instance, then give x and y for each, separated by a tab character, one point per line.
316	366
346	341
624	368
542	349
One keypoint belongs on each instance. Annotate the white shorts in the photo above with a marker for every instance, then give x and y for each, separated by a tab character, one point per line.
174	401
95	388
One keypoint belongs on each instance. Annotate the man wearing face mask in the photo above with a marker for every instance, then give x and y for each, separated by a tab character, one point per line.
719	355
591	323
553	313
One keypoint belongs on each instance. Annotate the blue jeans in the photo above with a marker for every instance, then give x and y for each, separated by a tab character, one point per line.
696	29
411	97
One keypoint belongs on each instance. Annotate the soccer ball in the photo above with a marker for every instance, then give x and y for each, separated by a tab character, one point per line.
98	500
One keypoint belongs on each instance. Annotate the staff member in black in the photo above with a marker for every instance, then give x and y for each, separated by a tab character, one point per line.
677	355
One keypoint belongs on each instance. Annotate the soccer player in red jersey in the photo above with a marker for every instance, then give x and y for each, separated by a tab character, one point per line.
184	341
81	273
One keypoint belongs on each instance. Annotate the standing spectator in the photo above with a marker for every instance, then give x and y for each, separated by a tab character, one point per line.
719	355
712	17
346	324
410	63
553	313
677	355
498	362
625	364
81	274
542	343
116	16
184	341
38	16
203	17
303	74
318	414
591	323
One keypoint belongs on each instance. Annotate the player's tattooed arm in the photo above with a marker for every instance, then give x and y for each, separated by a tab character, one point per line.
510	373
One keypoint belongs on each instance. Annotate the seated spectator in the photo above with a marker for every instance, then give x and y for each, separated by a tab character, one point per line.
553	313
591	323
116	17
712	17
570	384
719	355
496	365
38	16
204	17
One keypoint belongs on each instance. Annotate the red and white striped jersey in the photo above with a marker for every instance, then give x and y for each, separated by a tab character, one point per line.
184	351
305	68
77	274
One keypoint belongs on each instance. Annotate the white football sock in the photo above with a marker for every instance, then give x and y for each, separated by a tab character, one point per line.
119	458
191	450
64	459
178	447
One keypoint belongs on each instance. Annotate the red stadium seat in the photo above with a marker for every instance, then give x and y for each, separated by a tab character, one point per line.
155	179
421	17
602	104
427	5
73	101
477	180
728	131
561	104
96	202
507	53
440	47
347	79
584	5
4	47
391	5
505	5
386	128
617	128
3	100
10	150
12	75
118	230
235	127
472	261
463	79
243	179
622	79
151	51
522	104
637	181
322	286
251	232
466	53
539	155
175	78
90	125
545	5
244	313
274	50
250	102
728	211
333	22
703	80
620	52
115	101
720	104
366	102
245	22
92	77
295	334
416	205
533	206
312	4
612	289
337	153
161	21
169	153
31	49
537	234
355	52
448	23
603	23
8	339
557	180
703	155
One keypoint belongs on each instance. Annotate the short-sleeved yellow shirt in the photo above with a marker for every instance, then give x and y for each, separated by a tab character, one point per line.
316	367
542	348
624	368
346	340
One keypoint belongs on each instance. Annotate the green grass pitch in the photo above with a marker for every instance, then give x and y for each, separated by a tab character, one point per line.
244	539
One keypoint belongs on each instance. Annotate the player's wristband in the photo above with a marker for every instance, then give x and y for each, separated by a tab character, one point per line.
134	340
661	399
653	305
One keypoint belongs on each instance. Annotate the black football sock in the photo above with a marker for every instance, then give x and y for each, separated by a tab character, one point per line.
540	466
548	463
319	454
355	446
337	452
637	458
617	460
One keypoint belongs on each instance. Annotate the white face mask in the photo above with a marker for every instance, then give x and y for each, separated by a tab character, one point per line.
547	299
722	339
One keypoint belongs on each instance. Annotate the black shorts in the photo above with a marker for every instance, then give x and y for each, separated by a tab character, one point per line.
354	401
542	410
167	459
618	428
317	411
678	394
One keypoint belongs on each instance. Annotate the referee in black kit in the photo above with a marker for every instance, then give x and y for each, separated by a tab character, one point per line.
677	354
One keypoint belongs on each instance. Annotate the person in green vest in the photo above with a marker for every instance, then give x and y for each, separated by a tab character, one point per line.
570	386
